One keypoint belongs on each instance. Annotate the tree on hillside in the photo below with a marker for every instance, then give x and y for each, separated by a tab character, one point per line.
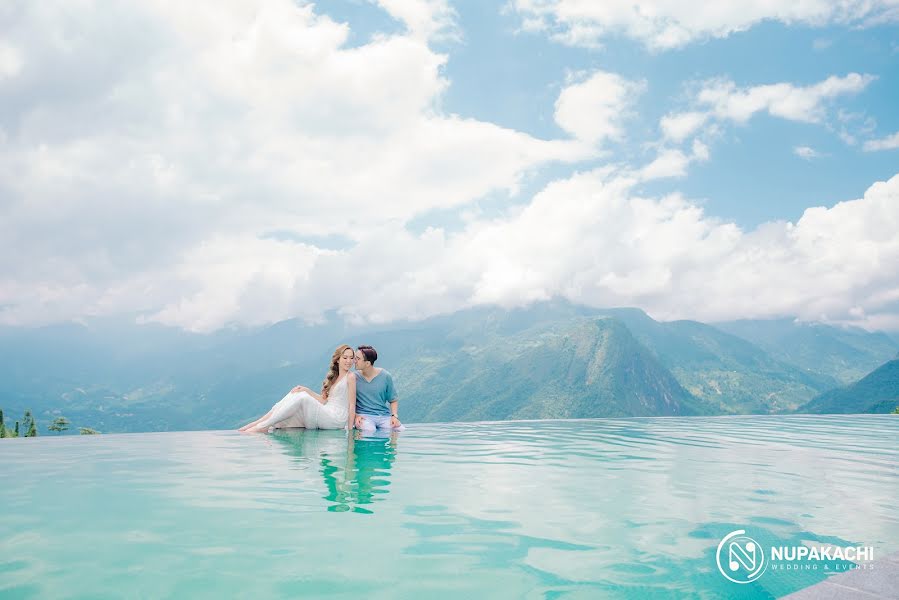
896	411
59	424
29	424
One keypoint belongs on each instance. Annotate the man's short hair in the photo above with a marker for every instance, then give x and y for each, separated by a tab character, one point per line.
370	354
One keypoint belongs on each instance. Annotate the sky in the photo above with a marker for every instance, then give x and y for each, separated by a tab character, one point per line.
236	163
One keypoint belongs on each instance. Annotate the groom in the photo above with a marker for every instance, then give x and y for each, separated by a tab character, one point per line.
376	401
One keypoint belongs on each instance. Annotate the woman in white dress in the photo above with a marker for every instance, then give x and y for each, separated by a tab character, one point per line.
335	408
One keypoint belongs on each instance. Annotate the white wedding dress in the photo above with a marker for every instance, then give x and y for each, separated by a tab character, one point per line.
299	409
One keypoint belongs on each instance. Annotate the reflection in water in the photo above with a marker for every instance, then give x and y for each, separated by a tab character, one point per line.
355	468
364	473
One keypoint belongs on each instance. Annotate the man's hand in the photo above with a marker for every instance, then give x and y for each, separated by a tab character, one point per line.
394	421
358	422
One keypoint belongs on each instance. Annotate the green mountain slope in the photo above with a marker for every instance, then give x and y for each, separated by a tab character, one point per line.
877	392
847	353
583	367
723	369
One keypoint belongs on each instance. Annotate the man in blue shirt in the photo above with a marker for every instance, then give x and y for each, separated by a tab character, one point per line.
376	403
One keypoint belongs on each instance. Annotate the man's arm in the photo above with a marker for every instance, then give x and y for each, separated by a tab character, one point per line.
395	412
394	403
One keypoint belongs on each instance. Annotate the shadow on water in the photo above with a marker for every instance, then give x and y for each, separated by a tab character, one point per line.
355	468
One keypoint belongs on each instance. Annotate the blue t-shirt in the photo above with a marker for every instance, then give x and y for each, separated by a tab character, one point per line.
374	397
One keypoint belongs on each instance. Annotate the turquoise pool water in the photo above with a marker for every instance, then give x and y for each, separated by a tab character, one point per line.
617	508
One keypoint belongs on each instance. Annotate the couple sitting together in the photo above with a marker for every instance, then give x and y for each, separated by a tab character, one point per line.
365	399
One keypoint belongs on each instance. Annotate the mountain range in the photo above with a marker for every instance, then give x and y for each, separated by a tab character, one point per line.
548	360
877	392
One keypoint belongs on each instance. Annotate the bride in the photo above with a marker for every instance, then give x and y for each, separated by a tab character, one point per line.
335	408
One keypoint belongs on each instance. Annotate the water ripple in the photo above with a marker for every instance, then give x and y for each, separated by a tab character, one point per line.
629	508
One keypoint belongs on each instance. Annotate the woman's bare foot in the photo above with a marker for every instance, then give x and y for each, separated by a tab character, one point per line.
250	426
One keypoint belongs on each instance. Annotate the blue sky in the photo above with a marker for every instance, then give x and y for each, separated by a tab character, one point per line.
501	74
218	163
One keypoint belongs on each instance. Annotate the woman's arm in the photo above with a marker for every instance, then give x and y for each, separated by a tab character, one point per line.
351	401
303	388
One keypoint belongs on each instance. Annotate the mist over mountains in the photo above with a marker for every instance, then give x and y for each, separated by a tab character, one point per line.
549	360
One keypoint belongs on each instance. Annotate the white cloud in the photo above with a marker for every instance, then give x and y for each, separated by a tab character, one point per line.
851	126
891	142
427	19
133	136
806	152
10	61
237	277
593	109
677	127
700	151
669	163
721	100
662	25
150	179
590	239
785	100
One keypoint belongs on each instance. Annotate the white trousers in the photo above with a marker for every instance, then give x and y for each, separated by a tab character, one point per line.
373	422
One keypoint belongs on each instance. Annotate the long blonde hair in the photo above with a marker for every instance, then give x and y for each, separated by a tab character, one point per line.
334	369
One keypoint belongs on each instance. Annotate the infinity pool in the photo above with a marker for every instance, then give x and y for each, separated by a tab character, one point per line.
617	508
